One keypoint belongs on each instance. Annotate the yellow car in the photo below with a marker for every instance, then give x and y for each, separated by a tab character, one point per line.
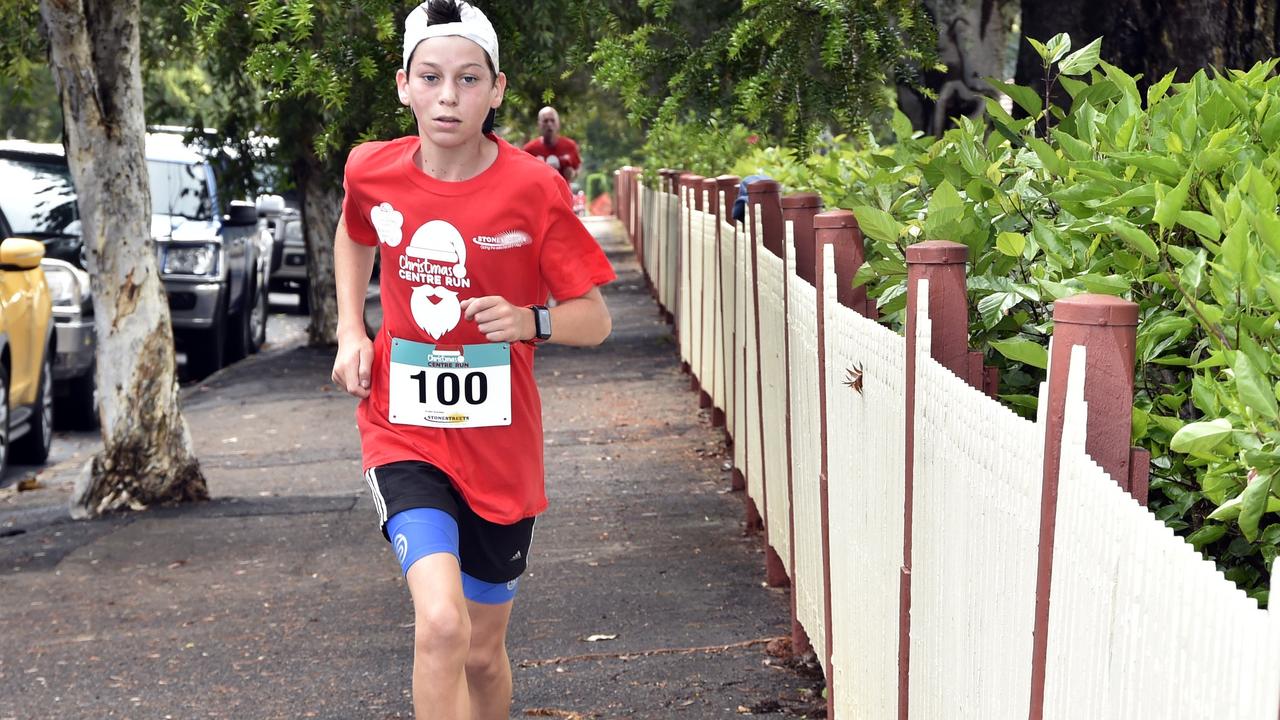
26	354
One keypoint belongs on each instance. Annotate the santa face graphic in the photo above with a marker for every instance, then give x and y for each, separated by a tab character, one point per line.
435	309
440	243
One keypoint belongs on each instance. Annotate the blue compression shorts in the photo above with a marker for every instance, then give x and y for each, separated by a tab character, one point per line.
419	532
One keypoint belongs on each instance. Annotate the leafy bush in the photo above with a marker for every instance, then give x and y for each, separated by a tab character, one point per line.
1168	200
597	184
706	147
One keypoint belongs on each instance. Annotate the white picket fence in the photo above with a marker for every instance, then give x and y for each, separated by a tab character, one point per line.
1140	626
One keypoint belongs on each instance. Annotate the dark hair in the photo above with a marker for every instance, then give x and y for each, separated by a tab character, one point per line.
443	11
447	11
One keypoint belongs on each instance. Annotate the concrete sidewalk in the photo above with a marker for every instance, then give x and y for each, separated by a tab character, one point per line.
280	599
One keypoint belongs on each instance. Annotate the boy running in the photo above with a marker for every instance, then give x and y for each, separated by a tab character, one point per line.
474	236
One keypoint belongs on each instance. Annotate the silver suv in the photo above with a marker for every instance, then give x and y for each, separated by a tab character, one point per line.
214	267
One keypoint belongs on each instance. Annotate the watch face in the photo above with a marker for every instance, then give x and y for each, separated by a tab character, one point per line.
542	322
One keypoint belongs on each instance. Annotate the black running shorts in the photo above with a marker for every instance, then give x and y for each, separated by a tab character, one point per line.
490	552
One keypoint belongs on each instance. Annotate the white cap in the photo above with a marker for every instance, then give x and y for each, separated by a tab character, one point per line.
474	26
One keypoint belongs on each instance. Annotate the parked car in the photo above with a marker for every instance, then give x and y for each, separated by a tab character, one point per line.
40	204
26	355
289	274
215	267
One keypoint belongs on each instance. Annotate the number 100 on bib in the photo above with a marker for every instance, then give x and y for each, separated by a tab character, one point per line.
462	386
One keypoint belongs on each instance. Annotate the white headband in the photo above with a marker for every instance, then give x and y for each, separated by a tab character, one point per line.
473	26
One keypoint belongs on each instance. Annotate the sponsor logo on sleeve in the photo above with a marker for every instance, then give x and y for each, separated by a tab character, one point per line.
503	241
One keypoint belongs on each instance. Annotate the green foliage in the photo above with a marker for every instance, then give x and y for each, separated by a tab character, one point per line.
1168	200
794	69
28	97
323	70
705	147
320	74
597	184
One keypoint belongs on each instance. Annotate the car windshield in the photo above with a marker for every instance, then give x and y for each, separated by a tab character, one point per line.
180	189
45	205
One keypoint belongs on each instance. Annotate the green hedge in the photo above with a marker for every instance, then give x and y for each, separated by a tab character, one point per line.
1168	200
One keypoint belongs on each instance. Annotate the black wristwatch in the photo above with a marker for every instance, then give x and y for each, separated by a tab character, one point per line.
541	323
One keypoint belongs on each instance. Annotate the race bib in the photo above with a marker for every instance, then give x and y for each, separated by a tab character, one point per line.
463	386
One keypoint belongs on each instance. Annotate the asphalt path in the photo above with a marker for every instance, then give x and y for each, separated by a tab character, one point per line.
286	329
279	597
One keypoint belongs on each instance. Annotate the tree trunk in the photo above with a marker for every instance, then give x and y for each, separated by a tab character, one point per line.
1153	37
974	43
147	455
321	207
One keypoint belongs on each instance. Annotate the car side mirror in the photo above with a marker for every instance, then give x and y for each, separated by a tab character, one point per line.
241	213
270	205
21	253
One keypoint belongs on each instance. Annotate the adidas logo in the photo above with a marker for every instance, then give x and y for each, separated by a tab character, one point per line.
516	557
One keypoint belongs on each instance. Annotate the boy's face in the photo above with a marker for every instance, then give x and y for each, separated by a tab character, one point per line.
450	89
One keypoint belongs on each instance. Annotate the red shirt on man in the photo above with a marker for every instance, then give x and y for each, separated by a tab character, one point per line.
564	150
508	231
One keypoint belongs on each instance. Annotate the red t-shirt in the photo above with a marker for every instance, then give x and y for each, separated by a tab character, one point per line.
565	152
509	231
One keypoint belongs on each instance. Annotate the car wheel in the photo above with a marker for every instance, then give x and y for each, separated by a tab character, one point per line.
4	420
207	349
77	408
304	298
258	320
249	327
33	448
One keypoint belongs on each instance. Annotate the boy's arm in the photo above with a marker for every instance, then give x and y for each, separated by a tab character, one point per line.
352	268
581	321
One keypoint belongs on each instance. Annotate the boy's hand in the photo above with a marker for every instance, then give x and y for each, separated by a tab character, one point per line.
499	320
352	366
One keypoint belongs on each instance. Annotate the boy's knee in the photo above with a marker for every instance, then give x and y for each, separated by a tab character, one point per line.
486	662
442	627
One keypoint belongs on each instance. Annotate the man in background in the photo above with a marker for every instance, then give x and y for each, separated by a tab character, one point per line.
555	150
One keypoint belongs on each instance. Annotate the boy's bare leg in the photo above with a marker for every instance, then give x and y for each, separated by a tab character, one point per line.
488	667
442	636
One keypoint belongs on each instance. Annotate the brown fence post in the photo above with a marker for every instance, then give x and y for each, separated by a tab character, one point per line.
800	209
767	195
1107	327
942	263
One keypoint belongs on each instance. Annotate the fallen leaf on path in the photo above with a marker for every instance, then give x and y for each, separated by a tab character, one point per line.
552	712
29	484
